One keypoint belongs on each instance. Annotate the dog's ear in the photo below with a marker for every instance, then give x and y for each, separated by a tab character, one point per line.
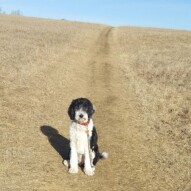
91	111
71	110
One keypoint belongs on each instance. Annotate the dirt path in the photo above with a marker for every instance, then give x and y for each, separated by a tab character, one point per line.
114	116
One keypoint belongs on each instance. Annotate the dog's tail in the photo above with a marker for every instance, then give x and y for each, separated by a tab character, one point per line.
104	155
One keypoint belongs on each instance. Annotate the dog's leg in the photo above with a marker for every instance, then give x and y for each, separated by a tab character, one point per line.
87	166
73	161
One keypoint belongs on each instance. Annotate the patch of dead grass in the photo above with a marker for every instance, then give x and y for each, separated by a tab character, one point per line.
157	64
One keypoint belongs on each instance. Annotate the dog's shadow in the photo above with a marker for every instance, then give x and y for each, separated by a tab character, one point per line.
57	141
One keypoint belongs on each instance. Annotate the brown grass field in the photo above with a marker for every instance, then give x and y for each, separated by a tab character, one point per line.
139	80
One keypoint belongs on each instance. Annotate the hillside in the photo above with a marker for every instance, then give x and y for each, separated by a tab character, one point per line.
139	80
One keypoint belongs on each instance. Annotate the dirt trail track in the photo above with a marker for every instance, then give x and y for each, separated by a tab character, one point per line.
44	65
115	116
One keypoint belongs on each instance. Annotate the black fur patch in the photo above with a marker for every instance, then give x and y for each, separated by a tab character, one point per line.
94	146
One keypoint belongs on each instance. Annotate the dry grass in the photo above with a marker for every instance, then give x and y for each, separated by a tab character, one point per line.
140	82
157	64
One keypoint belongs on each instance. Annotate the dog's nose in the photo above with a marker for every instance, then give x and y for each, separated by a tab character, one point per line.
81	115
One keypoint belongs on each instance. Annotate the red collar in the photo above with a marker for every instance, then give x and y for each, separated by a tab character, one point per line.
84	124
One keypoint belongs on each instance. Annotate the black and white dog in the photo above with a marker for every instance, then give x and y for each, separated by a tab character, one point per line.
83	137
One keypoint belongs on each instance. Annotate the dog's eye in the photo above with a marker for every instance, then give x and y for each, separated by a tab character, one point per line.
77	108
83	109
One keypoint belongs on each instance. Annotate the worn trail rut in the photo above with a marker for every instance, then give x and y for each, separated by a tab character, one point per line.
115	113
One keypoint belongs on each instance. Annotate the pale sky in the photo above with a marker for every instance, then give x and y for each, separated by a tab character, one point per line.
174	14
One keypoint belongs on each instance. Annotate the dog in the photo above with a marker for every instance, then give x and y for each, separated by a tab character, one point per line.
84	150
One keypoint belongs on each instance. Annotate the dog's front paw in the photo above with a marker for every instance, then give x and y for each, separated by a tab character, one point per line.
89	172
93	168
73	170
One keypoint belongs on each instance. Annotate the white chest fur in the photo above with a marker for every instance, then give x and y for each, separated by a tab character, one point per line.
79	137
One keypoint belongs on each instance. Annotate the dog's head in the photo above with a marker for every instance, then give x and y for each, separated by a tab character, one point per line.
81	110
